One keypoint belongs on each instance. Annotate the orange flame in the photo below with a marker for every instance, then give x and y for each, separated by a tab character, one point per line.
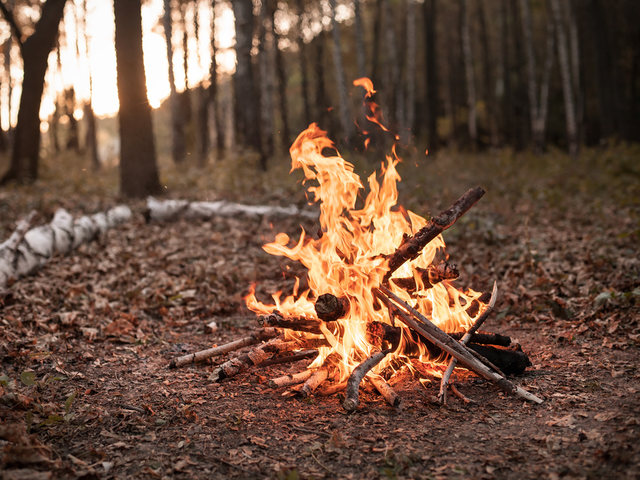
349	258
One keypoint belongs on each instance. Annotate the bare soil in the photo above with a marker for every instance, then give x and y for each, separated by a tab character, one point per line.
85	391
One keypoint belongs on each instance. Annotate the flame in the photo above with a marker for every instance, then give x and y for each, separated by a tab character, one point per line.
349	258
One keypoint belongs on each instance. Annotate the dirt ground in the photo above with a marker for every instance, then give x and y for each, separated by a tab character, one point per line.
85	391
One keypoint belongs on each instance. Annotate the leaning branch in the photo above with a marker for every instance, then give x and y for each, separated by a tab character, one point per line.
412	247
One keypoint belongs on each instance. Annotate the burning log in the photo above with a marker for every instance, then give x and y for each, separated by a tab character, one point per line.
410	248
203	355
423	326
330	308
301	355
353	385
298	324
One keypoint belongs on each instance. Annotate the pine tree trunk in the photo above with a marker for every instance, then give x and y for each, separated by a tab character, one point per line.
213	86
410	71
392	65
429	13
178	144
7	68
472	116
321	97
73	135
246	104
505	64
185	96
282	79
35	53
376	55
346	125
303	52
489	83
565	74
361	54
138	170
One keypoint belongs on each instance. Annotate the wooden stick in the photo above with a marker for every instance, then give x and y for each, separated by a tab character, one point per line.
353	385
432	275
412	247
299	324
460	395
430	331
331	389
203	355
291	379
314	381
385	390
301	355
442	396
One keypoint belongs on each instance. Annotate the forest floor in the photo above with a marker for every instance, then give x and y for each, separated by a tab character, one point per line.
85	391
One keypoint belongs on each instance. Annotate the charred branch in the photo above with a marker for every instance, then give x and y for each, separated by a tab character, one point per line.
412	247
299	324
291	379
314	381
353	385
429	276
385	390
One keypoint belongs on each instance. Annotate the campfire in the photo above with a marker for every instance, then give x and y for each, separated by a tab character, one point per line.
378	296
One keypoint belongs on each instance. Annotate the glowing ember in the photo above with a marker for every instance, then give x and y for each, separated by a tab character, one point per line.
349	260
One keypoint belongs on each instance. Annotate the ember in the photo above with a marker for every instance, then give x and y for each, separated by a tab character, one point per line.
371	266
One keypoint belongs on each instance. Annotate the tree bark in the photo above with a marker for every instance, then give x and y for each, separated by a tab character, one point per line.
266	83
213	85
91	140
321	97
410	72
429	12
246	105
303	52
487	70
361	55
281	75
472	116
567	83
178	144
35	53
138	170
346	125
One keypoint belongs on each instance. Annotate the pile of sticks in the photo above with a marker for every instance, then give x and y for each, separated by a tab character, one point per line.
488	355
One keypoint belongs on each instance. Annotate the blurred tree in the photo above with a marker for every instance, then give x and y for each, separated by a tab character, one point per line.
487	74
246	104
346	124
35	53
431	88
410	71
178	142
467	53
138	170
538	104
91	141
266	83
302	49
213	85
361	55
281	75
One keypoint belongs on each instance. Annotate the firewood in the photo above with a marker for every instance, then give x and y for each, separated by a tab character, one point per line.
385	390
291	379
411	248
353	385
314	381
299	324
442	396
301	355
418	322
330	308
203	355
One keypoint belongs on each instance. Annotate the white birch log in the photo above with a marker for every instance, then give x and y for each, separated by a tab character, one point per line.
163	210
26	251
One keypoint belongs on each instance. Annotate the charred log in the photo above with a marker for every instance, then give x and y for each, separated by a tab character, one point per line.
429	276
330	308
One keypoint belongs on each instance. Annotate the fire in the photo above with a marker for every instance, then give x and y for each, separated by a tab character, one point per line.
349	260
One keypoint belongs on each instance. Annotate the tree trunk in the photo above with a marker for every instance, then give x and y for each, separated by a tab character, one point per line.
321	99
185	97
92	136
472	115
178	144
505	61
567	83
73	134
489	83
266	83
35	53
302	49
138	170
282	79
346	125
376	77
213	85
410	71
7	68
429	13
361	54
392	68
202	102
246	105
574	48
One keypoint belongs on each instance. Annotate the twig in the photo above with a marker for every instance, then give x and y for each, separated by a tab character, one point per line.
442	396
353	385
430	331
203	355
385	390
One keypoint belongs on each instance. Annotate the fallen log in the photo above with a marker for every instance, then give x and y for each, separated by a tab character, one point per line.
27	250
165	210
412	246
